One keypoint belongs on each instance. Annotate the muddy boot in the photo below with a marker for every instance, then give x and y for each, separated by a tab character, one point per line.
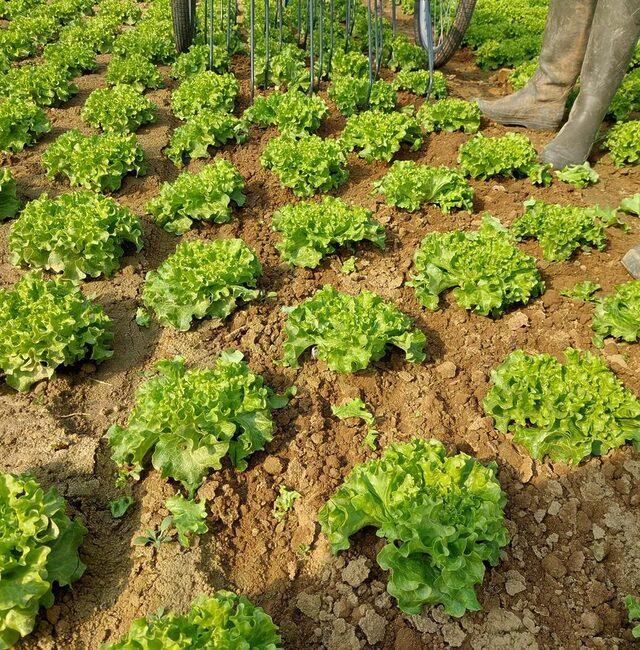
614	34
540	105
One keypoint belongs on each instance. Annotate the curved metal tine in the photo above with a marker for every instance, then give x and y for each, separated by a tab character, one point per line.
332	18
430	47
206	20
311	44
378	35
394	18
370	48
280	11
252	48
267	20
321	41
211	32
228	25
347	30
299	27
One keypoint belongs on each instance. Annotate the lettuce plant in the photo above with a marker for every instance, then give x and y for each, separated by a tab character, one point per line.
509	156
449	115
206	129
631	205
618	315
406	55
287	68
579	176
356	408
623	143
151	39
98	32
417	82
633	614
521	75
348	332
202	279
45	324
39	548
21	123
562	229
349	64
188	517
378	136
76	57
196	60
188	419
292	112
126	11
134	70
410	185
312	230
442	518
223	620
97	162
488	271
308	164
204	196
627	99
284	502
45	84
121	109
78	234
566	411
204	90
9	203
351	95
582	291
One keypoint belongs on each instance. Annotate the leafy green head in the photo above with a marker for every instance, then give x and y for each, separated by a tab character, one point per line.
45	324
441	516
39	549
202	279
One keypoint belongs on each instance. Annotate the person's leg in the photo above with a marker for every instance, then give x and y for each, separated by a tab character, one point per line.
614	34
541	103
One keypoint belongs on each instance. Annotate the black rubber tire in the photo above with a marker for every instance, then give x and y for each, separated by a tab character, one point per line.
453	39
184	24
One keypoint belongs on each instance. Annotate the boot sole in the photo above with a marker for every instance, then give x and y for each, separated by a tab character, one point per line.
534	125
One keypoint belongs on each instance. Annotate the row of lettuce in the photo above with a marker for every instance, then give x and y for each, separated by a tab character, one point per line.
187	420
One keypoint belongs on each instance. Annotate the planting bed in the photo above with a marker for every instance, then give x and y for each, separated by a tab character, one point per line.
574	553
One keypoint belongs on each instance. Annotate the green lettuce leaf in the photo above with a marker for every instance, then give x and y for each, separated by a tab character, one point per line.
9	203
618	315
449	115
442	518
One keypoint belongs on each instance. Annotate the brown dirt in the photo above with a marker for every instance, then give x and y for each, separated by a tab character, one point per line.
574	552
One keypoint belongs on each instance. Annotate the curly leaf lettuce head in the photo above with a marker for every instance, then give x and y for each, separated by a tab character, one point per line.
567	411
351	95
9	203
223	620
618	315
121	109
293	112
197	60
209	128
562	229
349	333
308	164
207	195
623	143
204	90
202	279
409	185
188	516
45	324
633	611
579	176
406	55
39	548
417	82
441	516
188	419
21	123
631	205
96	162
510	156
582	291
45	84
378	136
134	70
78	234
488	271
449	115
312	230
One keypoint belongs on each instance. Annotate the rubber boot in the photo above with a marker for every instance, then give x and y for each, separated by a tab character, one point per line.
614	34
540	105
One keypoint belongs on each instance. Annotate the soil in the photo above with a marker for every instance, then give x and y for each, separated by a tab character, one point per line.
574	552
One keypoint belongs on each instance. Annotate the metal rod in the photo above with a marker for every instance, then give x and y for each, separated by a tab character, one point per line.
321	56
379	35
394	17
252	47
228	26
267	20
370	50
311	43
332	16
347	31
299	26
280	10
211	32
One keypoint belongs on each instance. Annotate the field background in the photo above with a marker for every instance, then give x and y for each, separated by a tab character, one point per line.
574	552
